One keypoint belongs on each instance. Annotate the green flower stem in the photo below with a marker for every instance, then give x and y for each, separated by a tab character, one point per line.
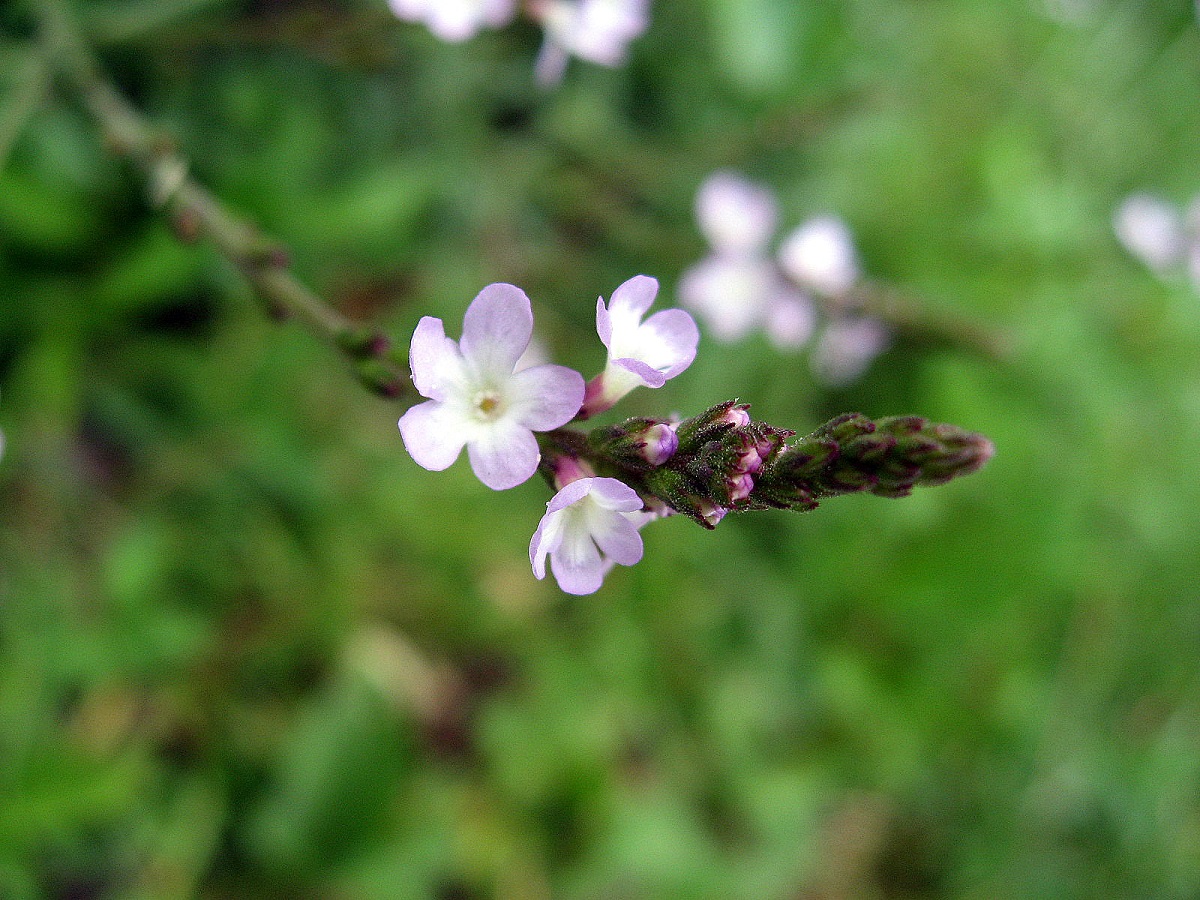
32	82
197	213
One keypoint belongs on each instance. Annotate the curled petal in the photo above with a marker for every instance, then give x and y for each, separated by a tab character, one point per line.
571	494
645	374
503	455
545	541
434	434
545	397
497	328
613	494
633	297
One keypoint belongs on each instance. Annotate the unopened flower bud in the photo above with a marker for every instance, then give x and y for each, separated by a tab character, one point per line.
710	512
740	487
637	444
660	444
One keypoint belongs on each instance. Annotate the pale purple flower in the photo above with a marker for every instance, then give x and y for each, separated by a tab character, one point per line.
588	526
455	20
846	347
639	353
730	293
598	31
1152	230
791	318
478	399
736	216
820	256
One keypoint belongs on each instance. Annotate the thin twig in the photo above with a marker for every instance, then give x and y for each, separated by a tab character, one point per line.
197	213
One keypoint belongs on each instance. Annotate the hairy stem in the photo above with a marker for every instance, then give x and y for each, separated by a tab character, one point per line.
197	213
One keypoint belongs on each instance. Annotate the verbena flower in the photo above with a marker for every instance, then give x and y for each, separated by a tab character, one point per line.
738	288
639	353
455	20
846	346
1161	235
820	256
477	396
589	525
598	31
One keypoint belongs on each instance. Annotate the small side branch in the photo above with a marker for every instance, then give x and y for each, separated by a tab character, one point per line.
196	213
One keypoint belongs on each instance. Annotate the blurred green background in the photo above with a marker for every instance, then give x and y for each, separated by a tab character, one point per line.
249	649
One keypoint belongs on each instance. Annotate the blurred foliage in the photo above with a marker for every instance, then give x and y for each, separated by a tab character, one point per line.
248	648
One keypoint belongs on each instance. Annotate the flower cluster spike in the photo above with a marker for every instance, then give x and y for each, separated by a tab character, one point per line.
718	455
886	457
612	480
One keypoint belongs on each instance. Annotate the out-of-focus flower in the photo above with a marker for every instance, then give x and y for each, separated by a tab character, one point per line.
735	215
455	20
589	525
598	31
639	353
737	288
1152	230
478	399
820	256
846	347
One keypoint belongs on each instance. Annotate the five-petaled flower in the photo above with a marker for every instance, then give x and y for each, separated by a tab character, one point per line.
639	353
477	396
589	525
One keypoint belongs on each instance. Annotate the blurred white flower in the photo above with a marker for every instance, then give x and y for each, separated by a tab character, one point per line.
846	347
598	31
820	255
1152	230
455	20
735	215
737	288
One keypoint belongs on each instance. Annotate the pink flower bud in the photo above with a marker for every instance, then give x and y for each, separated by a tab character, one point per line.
740	487
737	416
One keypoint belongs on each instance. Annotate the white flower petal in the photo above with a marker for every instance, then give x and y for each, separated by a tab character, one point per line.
436	364
434	434
1152	230
730	293
631	300
612	494
846	348
503	454
791	319
544	397
616	536
497	328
